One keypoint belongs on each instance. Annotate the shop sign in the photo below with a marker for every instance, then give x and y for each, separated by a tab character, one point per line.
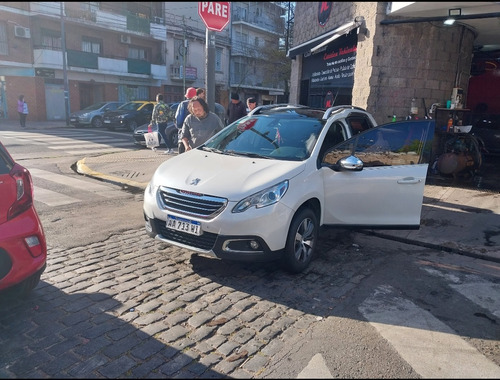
45	73
334	66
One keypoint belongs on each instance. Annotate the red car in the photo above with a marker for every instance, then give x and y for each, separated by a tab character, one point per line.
23	249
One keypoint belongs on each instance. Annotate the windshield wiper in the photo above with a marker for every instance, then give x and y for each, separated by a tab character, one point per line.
213	150
253	155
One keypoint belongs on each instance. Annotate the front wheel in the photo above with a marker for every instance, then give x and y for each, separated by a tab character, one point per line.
301	241
132	125
97	122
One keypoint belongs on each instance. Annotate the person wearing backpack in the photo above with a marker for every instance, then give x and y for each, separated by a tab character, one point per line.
161	115
181	114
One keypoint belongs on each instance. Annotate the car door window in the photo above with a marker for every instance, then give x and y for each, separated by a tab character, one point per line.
334	136
405	143
358	124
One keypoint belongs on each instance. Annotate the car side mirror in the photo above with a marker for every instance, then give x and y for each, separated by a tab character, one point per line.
349	163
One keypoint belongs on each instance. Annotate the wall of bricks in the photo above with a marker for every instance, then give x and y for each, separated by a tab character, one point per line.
394	63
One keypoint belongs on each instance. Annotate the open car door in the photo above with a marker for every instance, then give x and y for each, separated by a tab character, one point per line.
381	183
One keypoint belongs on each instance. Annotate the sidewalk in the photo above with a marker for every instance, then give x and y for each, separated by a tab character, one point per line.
453	219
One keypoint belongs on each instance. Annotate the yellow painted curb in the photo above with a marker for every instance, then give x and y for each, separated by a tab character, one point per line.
82	168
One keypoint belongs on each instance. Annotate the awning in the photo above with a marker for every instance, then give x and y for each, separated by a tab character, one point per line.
325	39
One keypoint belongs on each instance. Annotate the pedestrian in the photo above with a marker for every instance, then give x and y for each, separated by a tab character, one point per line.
181	114
251	104
200	124
200	93
236	109
22	110
162	114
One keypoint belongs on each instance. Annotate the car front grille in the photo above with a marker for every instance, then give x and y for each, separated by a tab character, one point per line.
205	241
191	203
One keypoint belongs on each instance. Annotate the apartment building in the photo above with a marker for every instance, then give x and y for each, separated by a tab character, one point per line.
113	51
64	56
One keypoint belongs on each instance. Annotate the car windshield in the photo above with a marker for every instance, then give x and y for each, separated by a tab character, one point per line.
94	106
130	106
283	136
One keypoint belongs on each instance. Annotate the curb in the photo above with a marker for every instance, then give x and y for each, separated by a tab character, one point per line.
82	168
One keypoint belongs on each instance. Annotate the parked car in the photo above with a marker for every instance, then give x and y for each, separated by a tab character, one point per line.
261	188
129	115
23	249
92	115
171	130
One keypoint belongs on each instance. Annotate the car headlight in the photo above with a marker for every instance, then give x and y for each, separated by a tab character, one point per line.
263	198
86	114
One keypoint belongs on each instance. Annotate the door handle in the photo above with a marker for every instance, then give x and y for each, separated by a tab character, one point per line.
409	181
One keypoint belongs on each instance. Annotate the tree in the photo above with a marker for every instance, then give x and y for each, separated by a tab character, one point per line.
277	65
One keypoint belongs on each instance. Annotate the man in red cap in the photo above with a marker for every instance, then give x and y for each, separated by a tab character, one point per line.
182	112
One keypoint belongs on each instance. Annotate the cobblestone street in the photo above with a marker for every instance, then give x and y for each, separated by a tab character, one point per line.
134	307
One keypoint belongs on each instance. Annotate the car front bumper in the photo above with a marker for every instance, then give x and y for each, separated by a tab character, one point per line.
254	235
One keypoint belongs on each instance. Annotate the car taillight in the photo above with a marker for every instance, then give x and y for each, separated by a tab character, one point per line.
24	191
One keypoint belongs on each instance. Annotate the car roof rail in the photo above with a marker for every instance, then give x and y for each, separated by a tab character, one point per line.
340	108
278	107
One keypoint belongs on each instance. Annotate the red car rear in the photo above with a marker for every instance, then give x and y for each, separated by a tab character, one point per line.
23	249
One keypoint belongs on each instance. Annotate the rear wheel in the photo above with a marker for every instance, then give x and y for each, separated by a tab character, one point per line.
301	241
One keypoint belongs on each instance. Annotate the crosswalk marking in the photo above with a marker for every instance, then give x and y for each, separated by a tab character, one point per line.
315	369
95	187
476	289
61	146
72	142
431	347
53	198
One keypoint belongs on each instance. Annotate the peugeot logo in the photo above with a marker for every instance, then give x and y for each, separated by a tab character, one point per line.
195	181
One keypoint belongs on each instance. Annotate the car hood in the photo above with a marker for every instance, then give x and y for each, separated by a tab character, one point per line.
81	112
232	177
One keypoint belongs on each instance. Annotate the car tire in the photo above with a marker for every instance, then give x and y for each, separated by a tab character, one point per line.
24	289
97	122
301	241
132	125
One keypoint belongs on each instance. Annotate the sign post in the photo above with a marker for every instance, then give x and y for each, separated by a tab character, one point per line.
215	16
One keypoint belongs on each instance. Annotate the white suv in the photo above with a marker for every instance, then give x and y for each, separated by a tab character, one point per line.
261	188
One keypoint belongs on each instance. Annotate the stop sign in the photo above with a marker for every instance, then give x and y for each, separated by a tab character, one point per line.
215	14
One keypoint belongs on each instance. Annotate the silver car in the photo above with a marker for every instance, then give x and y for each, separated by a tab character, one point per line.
92	115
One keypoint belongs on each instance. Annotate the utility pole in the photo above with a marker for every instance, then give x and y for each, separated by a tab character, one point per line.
210	69
183	53
65	73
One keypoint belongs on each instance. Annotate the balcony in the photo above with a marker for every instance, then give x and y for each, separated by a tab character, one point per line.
79	61
123	23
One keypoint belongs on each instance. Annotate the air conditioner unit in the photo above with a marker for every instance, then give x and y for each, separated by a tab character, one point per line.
21	31
124	39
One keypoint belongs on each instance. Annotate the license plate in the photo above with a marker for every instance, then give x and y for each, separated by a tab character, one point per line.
184	225
107	121
72	119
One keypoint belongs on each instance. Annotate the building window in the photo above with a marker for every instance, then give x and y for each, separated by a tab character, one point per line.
3	39
91	6
137	53
218	59
51	39
91	45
